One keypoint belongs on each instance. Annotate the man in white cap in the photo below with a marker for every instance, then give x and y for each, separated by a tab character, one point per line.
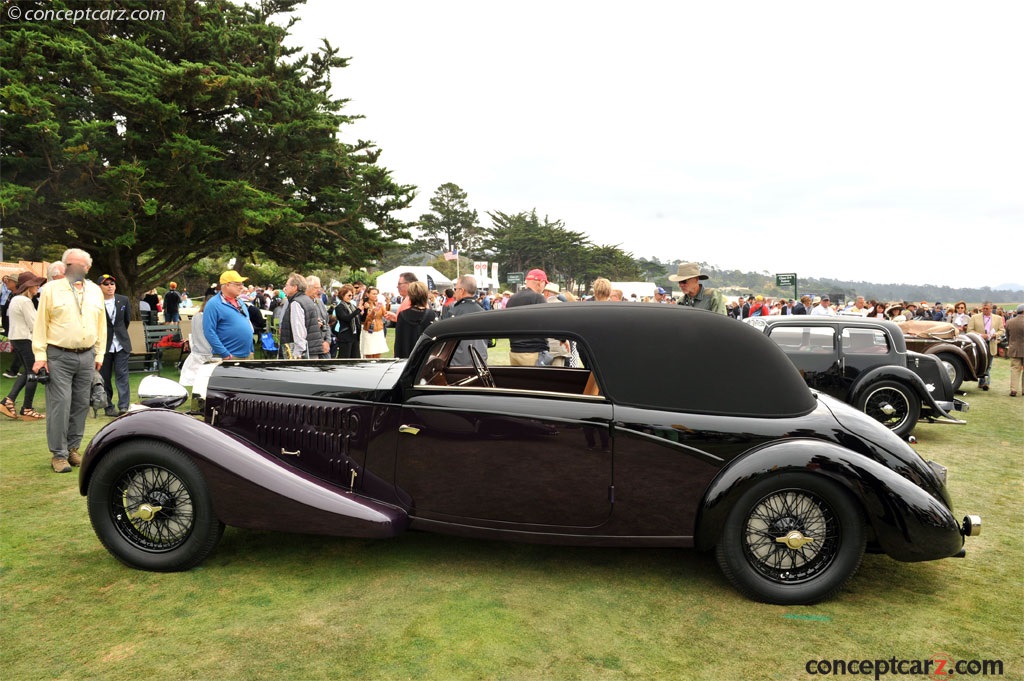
694	293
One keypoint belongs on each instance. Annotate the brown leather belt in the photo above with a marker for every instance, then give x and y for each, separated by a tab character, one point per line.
77	351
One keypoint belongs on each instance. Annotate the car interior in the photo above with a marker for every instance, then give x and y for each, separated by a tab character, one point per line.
494	371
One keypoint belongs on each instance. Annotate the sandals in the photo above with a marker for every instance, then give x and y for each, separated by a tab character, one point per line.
7	408
31	413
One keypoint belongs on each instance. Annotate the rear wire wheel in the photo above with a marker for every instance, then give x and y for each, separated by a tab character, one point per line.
893	404
792	539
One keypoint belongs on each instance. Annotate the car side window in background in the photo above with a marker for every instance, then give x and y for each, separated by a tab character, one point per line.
818	340
865	342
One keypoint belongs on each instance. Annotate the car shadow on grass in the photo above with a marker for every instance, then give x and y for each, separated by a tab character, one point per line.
423	551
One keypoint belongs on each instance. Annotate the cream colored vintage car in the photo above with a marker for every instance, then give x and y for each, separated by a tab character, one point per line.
964	355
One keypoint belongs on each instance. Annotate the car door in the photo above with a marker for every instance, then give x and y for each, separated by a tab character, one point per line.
508	457
863	349
812	349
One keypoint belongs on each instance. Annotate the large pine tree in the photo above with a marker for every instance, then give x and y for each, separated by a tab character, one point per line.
153	142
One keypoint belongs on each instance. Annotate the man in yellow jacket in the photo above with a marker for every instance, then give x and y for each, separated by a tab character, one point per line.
69	341
992	329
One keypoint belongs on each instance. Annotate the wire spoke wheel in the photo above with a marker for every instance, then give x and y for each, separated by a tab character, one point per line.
152	508
792	539
791	536
894	405
887	406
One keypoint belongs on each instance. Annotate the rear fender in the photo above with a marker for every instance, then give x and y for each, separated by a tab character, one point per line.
250	488
909	524
983	352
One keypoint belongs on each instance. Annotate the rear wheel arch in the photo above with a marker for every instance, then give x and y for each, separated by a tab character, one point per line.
808	457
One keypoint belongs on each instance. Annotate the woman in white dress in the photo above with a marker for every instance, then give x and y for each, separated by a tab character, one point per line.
372	342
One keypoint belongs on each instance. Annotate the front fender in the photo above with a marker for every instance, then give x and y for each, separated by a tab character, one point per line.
250	488
902	375
909	524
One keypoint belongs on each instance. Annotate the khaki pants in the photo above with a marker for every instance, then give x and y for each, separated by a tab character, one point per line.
523	359
1016	373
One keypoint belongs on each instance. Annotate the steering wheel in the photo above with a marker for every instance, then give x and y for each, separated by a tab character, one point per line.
480	366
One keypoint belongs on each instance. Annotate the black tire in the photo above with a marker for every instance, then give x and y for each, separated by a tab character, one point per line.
893	404
151	508
954	367
753	550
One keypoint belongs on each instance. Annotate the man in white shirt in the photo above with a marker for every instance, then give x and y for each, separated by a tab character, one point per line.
119	347
824	308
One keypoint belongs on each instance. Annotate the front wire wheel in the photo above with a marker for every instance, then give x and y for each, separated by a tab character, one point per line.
791	540
151	508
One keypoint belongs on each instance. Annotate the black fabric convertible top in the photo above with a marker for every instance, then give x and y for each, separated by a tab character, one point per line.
661	356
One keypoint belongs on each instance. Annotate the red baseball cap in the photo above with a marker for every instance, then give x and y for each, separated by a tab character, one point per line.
537	275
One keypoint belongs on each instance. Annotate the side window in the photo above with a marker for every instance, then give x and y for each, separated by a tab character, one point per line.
865	342
788	338
488	363
816	340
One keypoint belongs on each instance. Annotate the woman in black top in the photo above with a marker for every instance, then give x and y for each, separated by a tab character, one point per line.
346	325
413	321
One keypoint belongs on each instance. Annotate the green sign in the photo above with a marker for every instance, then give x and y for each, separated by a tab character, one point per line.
516	278
785	280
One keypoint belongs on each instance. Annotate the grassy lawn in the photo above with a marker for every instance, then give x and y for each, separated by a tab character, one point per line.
275	606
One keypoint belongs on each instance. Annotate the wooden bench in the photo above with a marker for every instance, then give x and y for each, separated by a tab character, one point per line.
141	358
154	333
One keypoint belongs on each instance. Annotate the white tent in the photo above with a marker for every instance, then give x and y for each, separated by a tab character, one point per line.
388	282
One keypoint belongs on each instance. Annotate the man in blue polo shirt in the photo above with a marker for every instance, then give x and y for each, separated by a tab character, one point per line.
226	322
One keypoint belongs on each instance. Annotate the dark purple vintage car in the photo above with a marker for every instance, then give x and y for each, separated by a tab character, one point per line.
714	443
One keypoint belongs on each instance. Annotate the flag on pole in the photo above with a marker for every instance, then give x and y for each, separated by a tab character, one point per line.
451	255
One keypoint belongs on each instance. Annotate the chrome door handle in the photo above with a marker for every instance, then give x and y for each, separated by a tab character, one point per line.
411	430
285	452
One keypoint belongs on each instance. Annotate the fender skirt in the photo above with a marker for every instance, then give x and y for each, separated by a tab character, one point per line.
908	523
249	488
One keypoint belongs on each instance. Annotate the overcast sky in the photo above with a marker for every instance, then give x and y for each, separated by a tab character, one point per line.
876	141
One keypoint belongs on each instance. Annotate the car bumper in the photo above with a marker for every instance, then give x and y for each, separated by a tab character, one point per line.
945	410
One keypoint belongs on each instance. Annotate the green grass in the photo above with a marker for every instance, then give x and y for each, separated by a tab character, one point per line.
277	606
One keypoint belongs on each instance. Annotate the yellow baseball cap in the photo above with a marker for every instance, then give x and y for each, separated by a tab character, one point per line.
231	276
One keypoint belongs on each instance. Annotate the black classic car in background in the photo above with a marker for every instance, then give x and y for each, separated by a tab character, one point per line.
718	445
865	362
964	355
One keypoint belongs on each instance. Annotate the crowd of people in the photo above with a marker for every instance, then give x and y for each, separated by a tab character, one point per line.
75	331
899	311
